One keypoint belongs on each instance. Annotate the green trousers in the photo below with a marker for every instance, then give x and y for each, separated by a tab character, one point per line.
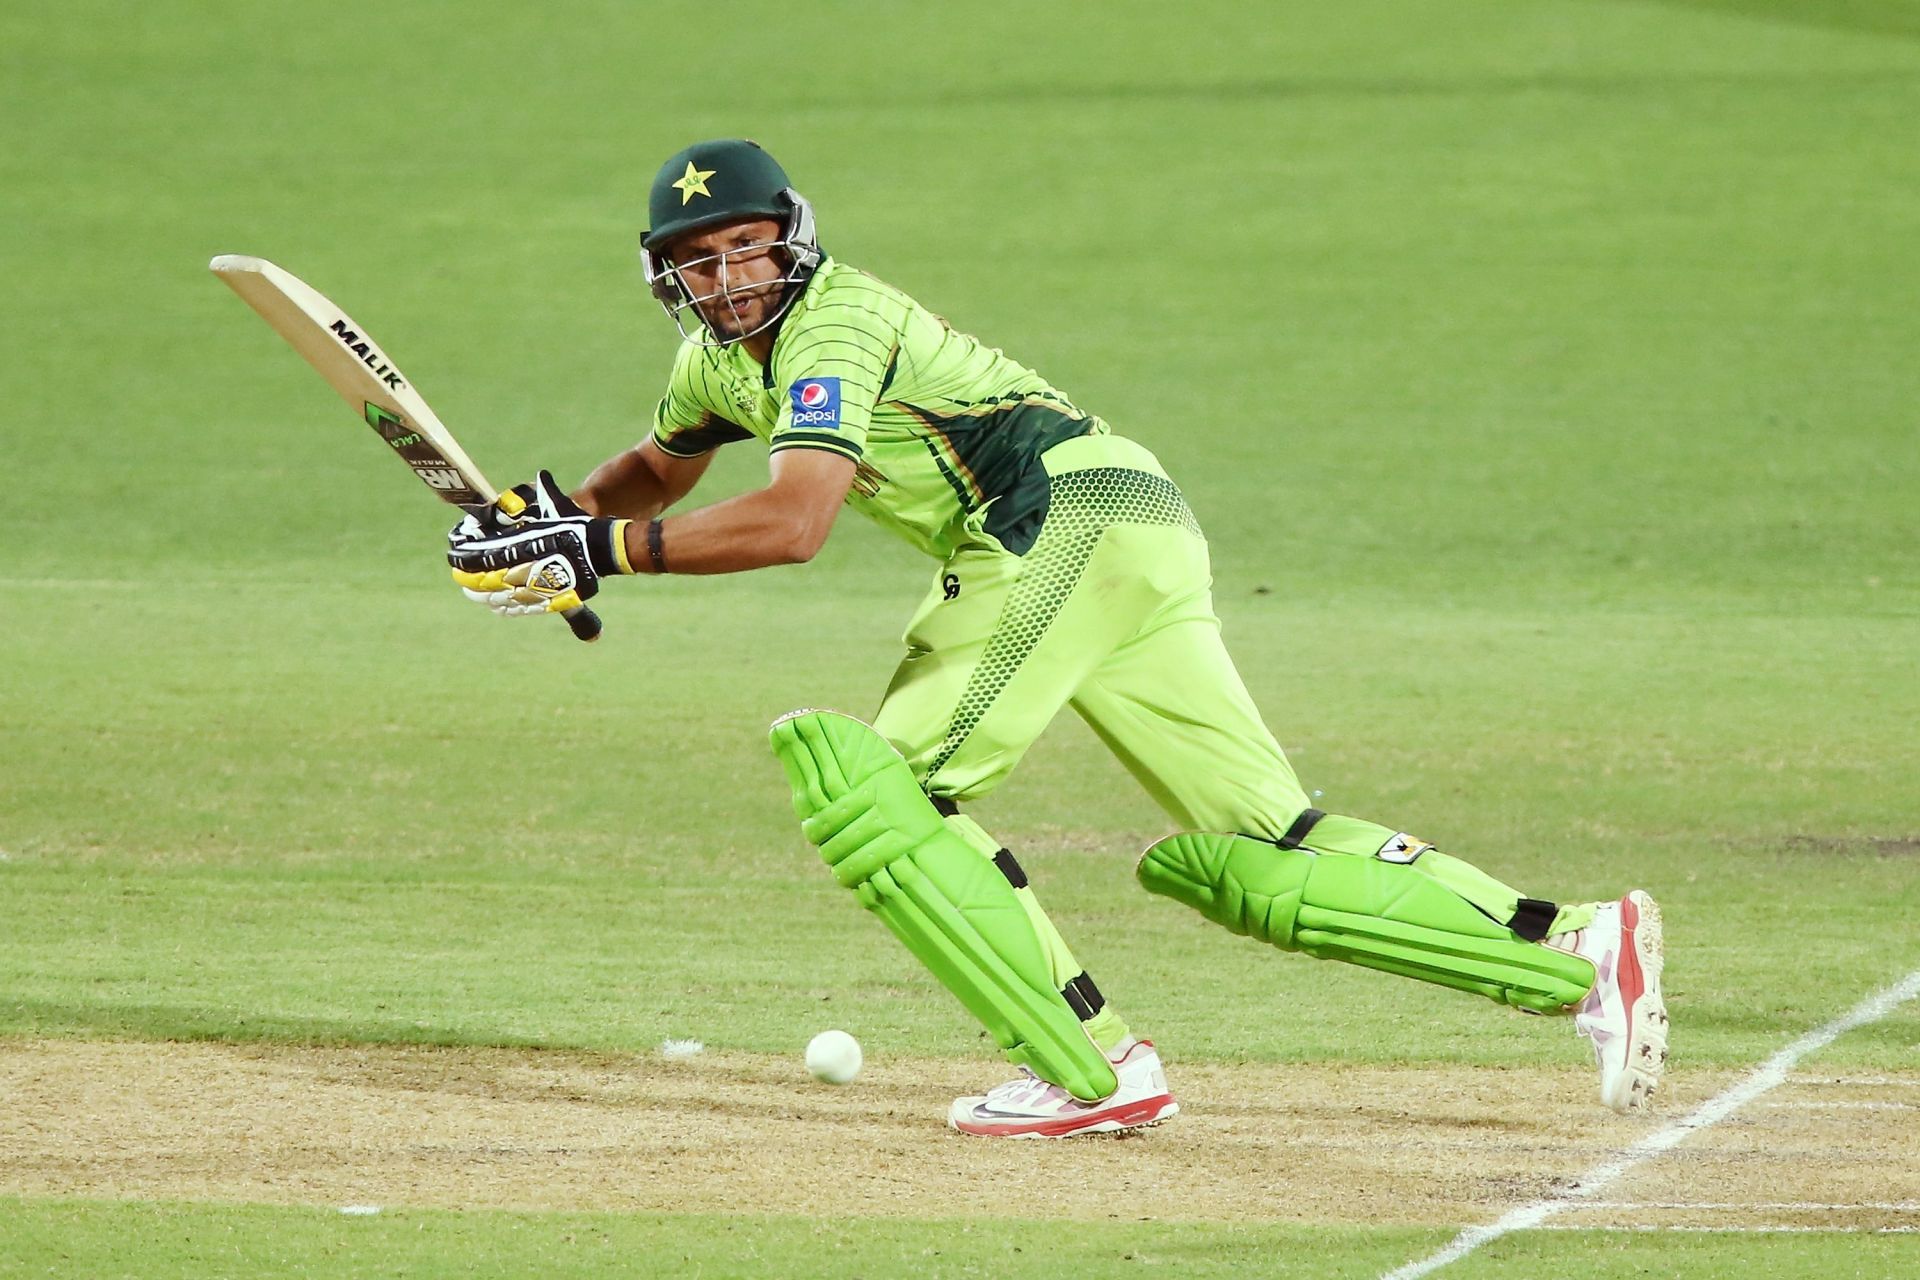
1111	612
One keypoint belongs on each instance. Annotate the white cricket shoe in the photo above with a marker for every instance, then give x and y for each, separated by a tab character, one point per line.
1029	1107
1624	1015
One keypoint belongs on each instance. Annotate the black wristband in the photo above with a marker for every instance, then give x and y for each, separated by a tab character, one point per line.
655	552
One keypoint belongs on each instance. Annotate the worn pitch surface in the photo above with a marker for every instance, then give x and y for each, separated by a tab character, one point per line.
1309	1143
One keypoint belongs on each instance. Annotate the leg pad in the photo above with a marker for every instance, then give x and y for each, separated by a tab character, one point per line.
860	804
1364	910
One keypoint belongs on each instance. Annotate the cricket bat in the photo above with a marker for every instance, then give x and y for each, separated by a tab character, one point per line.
368	380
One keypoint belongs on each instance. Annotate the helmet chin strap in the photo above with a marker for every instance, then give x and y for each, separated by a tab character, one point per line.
670	288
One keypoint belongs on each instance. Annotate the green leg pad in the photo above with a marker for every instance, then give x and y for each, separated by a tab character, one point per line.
1364	910
859	803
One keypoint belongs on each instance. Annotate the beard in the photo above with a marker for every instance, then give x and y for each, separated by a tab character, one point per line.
741	309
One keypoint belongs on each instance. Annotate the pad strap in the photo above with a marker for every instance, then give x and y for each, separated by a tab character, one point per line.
1297	833
1084	996
1532	918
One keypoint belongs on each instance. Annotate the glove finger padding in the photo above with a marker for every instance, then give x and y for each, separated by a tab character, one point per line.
471	527
512	602
559	550
549	501
513	503
538	500
509	507
493	580
552	583
596	546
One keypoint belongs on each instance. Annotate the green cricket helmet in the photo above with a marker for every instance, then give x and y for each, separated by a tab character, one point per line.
711	184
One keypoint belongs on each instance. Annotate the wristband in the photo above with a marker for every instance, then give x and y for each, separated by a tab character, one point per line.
606	543
655	552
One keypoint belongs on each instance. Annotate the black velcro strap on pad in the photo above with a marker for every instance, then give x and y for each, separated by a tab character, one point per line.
1532	918
1010	869
1083	996
1301	826
943	806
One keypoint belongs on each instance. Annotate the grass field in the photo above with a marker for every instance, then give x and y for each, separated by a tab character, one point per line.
1542	373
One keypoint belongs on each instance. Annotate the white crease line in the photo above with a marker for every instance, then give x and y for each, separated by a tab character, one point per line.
1766	1076
1775	1206
1877	1082
1842	1104
1758	1230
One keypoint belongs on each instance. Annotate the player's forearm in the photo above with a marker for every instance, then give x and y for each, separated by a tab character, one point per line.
752	531
626	485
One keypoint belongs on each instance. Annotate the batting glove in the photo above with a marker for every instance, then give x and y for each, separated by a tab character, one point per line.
505	514
547	558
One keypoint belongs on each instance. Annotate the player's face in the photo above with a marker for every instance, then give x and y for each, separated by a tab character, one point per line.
735	272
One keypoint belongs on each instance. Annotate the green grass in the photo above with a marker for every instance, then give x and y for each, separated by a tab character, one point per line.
159	1241
1542	374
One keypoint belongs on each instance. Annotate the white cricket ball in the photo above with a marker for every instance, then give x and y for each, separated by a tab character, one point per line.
833	1056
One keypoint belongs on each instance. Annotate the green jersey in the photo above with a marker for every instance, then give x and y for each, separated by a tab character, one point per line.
947	433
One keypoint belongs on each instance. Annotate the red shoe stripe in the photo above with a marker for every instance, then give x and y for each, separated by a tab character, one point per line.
1133	1113
1632	982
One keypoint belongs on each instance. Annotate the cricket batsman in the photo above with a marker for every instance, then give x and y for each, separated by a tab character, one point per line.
1070	573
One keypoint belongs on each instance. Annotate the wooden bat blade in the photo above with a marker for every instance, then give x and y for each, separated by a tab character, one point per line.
364	375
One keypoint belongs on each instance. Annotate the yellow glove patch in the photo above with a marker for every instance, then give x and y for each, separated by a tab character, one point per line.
543	586
491	580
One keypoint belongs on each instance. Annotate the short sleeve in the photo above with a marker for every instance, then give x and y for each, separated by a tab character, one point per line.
832	367
683	425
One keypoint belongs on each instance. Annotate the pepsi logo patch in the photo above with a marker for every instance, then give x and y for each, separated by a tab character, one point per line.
816	403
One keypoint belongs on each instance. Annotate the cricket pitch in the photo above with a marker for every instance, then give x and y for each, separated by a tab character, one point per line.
734	1133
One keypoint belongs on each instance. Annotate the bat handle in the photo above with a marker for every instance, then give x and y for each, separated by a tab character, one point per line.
585	623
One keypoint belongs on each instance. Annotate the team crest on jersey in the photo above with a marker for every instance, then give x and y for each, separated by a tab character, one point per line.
816	403
747	395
